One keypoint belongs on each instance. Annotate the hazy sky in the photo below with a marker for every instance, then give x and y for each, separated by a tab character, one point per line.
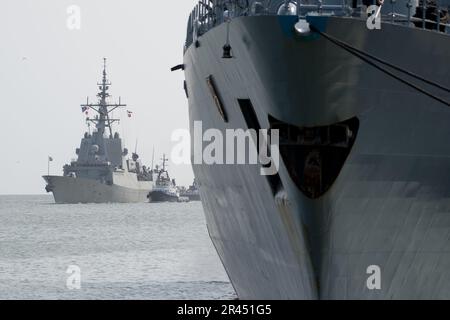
47	70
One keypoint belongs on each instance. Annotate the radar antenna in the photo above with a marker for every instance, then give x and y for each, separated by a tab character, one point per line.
153	158
164	160
103	120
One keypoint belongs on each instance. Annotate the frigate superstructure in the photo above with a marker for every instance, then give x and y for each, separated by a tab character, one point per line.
103	171
360	206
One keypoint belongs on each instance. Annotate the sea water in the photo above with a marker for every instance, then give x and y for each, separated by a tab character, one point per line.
114	251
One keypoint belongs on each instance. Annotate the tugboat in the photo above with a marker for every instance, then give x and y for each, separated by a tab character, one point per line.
102	172
165	189
192	193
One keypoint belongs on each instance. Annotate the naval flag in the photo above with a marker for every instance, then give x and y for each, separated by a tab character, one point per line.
129	113
50	159
84	109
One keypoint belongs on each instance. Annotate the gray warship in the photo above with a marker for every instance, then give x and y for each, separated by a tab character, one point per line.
102	172
364	123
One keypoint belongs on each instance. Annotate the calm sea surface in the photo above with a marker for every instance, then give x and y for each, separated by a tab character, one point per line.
124	251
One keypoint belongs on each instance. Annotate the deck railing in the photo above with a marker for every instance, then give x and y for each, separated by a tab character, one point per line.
210	13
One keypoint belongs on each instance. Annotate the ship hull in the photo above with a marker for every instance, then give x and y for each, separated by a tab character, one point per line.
390	204
67	190
194	197
159	196
191	197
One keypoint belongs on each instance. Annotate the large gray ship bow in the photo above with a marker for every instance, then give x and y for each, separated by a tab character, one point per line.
363	191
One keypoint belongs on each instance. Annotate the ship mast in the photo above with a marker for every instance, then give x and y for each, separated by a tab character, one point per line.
103	121
164	160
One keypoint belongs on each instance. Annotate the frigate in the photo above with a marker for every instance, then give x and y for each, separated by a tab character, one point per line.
360	206
103	171
165	189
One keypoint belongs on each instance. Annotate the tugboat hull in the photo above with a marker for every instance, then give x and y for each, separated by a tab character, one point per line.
159	196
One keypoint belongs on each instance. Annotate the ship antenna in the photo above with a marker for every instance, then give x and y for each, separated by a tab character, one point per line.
103	108
227	47
87	116
103	95
153	157
104	68
164	159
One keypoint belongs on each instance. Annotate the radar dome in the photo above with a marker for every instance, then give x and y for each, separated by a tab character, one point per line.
94	149
287	9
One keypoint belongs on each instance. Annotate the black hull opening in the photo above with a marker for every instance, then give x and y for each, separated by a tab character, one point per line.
314	156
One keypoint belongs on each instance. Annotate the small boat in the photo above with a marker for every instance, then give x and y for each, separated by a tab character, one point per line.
192	193
183	199
165	189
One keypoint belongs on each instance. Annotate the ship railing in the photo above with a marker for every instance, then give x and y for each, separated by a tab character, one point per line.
432	22
398	18
208	14
336	8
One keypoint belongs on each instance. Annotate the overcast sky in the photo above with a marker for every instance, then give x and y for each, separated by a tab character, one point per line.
47	70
